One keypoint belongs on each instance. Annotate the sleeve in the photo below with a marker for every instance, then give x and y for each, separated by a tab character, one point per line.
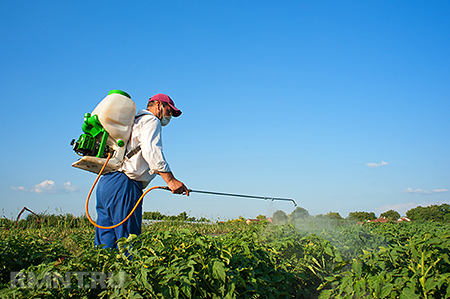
151	146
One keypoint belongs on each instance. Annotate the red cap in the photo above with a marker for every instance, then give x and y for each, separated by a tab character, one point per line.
165	98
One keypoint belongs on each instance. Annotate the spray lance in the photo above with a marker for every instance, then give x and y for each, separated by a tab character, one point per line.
167	188
241	195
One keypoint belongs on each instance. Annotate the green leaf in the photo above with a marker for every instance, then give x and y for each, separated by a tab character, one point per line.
430	284
316	262
376	288
357	268
230	294
325	294
219	271
409	294
311	268
447	294
386	290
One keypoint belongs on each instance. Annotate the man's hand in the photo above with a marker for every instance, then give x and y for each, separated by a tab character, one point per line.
178	187
174	185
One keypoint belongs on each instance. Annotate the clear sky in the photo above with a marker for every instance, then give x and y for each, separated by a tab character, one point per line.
341	105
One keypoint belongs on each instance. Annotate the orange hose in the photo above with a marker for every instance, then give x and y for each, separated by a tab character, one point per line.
132	211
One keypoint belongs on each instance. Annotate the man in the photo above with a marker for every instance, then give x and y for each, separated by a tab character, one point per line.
118	192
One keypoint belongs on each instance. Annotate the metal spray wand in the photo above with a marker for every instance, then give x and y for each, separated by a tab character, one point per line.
240	195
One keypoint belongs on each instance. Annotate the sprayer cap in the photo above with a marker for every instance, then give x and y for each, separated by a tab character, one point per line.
119	92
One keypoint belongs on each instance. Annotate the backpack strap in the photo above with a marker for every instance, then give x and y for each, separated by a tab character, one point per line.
133	152
136	149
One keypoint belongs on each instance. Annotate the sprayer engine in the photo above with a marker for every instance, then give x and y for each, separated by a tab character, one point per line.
84	146
93	141
106	130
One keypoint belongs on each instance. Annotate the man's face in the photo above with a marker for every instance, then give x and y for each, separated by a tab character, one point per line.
167	110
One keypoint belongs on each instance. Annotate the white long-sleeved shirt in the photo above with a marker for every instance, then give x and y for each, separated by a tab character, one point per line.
145	164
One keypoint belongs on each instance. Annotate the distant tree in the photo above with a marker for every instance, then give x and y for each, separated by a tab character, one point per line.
361	216
182	216
391	215
153	215
416	214
240	219
261	217
333	215
203	219
279	217
430	213
298	213
445	208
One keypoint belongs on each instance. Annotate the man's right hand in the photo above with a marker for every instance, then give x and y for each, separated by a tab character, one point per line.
176	186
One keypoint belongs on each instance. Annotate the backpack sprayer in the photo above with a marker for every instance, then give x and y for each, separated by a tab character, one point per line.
103	145
106	131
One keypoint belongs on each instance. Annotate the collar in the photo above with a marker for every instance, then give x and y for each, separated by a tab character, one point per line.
144	112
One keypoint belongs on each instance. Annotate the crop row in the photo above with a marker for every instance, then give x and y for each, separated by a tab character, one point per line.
234	260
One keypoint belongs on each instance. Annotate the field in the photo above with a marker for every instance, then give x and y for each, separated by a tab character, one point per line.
306	258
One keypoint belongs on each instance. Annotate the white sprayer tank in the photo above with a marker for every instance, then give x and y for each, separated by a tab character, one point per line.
116	114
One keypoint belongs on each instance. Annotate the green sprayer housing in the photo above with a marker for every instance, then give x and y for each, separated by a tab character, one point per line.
86	144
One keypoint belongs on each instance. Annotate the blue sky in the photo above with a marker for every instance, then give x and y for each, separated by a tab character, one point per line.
341	105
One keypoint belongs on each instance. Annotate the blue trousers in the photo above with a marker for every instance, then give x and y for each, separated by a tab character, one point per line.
116	196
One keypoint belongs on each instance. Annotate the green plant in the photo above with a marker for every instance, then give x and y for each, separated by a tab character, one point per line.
417	268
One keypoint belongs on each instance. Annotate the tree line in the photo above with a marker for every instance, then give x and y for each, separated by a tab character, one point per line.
183	216
437	213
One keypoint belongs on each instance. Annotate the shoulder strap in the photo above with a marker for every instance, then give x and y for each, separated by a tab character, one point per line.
136	149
